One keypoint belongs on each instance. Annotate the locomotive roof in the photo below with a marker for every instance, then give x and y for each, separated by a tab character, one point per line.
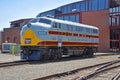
69	22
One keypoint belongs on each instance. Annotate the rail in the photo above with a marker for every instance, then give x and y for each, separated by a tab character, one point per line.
73	72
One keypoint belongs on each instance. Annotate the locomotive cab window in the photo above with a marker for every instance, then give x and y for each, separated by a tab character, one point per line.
33	21
46	21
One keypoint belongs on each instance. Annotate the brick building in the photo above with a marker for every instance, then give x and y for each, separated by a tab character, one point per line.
12	34
0	39
114	23
103	14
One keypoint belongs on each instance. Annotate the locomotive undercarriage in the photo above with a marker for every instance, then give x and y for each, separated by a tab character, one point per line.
56	52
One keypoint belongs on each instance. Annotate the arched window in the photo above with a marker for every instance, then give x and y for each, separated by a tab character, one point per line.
7	40
15	40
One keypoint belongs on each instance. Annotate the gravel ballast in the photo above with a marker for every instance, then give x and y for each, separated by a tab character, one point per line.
33	71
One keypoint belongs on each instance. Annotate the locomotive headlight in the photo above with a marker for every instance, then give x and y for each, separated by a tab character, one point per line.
29	25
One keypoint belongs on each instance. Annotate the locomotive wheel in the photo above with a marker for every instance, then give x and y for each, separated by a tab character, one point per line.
88	53
55	54
53	57
59	55
91	52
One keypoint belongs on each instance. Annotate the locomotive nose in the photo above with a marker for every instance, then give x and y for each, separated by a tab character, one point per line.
28	36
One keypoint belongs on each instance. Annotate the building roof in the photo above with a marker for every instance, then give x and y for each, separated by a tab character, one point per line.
20	20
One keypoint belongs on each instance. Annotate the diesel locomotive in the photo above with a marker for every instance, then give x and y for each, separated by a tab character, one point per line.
49	38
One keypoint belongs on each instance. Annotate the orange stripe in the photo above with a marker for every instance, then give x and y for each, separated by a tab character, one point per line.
70	34
55	43
75	34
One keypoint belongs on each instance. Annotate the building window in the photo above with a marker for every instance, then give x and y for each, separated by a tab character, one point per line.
94	5
110	21
73	18
114	34
78	6
64	9
114	44
16	25
69	9
101	4
83	8
106	4
90	5
85	5
114	20
77	18
61	18
66	18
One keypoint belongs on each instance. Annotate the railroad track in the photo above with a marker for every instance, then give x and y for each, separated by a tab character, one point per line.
116	77
102	69
77	73
15	63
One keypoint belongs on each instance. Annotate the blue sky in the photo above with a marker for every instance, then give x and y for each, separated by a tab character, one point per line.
11	10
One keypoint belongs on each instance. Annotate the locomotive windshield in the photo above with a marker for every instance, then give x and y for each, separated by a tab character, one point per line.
34	20
46	21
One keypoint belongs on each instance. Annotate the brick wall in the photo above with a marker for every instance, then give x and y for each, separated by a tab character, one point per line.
0	45
101	20
11	35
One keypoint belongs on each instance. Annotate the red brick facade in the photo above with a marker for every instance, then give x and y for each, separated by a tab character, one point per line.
99	19
0	45
0	40
11	35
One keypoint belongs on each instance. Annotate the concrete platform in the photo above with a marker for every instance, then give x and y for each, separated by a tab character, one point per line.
6	57
37	70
